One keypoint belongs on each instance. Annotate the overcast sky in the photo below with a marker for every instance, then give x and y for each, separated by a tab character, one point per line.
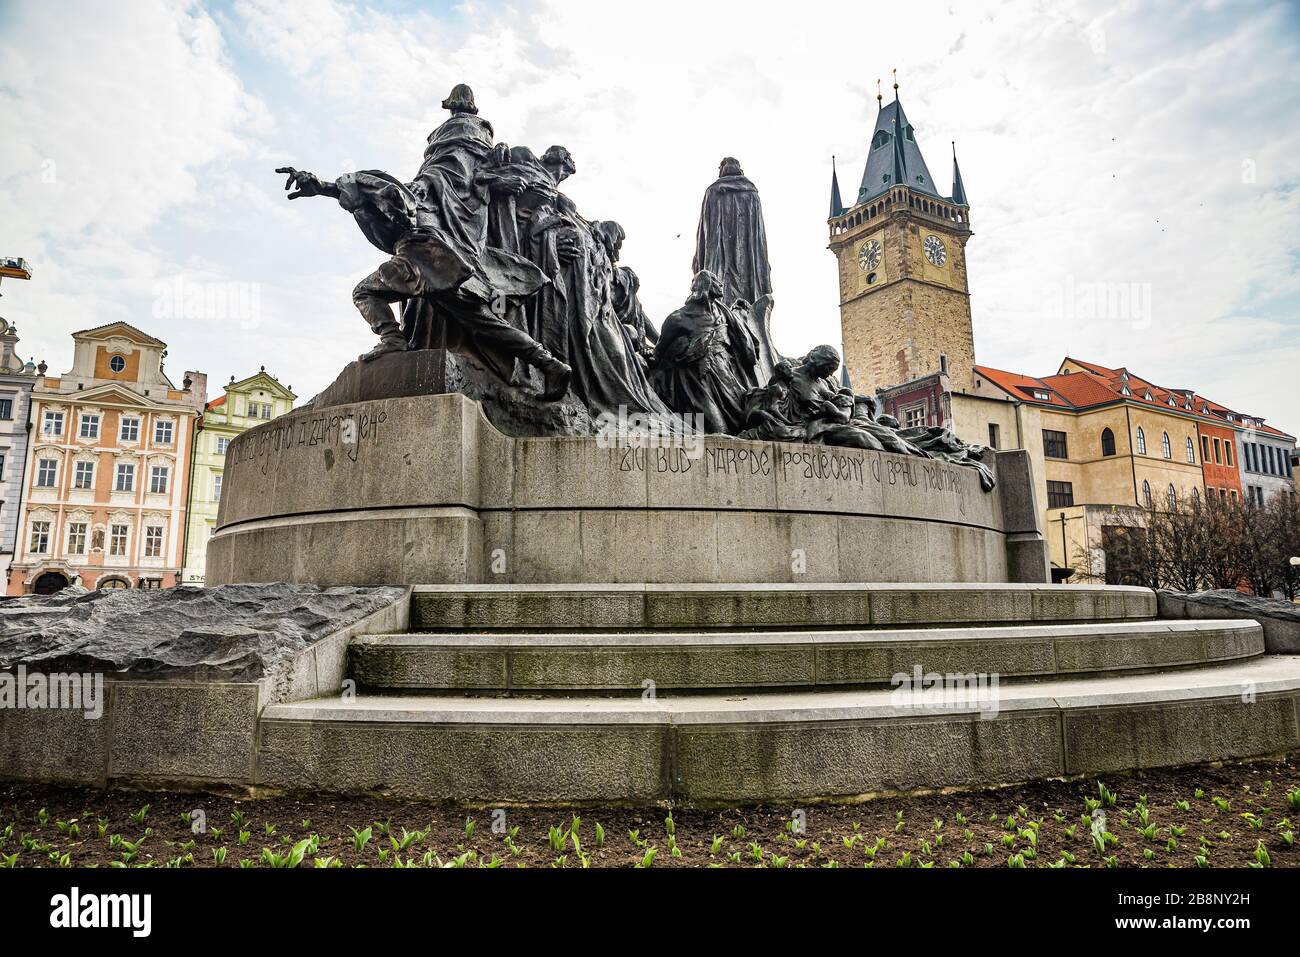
1145	148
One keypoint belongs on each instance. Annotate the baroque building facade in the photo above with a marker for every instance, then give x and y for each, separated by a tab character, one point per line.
106	481
16	380
241	406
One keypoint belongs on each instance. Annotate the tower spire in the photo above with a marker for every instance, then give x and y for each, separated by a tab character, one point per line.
958	188
837	207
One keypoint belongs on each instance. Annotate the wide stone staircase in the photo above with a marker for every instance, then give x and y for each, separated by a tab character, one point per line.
711	694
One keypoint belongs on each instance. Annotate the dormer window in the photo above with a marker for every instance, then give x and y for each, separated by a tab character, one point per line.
1043	396
881	139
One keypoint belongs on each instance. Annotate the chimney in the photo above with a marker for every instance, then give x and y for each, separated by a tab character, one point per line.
198	389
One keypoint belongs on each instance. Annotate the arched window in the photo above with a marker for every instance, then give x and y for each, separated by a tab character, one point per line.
1165	449
1107	442
1142	441
1146	489
1172	496
1196	495
1191	450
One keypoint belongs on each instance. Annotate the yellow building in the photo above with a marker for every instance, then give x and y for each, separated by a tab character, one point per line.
244	404
1112	445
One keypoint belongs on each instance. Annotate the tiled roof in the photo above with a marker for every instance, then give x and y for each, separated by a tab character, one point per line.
1095	385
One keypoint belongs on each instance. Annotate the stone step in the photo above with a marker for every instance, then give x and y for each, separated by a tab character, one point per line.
729	748
584	607
609	662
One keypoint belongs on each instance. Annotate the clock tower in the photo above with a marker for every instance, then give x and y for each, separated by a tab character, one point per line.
901	250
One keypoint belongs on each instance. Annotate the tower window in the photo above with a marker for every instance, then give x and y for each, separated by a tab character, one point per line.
881	139
943	364
1142	441
1107	442
993	436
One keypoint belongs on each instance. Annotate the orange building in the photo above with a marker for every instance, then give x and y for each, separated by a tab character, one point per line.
106	482
1219	460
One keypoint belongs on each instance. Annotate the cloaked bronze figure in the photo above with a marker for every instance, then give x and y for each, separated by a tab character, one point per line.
459	290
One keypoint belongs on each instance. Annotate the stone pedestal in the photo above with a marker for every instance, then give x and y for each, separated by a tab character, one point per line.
424	490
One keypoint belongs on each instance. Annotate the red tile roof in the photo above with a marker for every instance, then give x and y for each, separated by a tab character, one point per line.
1097	385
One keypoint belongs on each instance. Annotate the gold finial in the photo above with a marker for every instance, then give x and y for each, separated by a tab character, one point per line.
880	100
895	82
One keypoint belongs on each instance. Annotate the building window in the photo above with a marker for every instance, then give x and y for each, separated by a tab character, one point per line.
1165	448
1191	450
1142	441
52	424
40	541
125	477
1060	494
1054	445
1227	454
943	364
89	426
158	480
1107	442
1205	449
150	583
130	429
1196	497
162	433
216	488
1172	497
993	436
47	471
223	444
1146	493
76	538
914	417
1218	452
1234	494
153	536
83	475
6	408
117	364
117	540
2	468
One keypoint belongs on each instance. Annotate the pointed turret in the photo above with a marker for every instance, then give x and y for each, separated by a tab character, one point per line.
958	188
837	206
895	159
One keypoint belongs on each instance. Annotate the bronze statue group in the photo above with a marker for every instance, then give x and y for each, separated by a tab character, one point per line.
488	259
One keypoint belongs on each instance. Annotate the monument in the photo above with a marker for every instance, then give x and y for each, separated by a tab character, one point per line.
584	506
519	407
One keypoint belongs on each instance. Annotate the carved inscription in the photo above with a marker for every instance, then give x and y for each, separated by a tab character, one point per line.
346	433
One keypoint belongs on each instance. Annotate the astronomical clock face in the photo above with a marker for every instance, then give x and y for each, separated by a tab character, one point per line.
934	250
869	254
